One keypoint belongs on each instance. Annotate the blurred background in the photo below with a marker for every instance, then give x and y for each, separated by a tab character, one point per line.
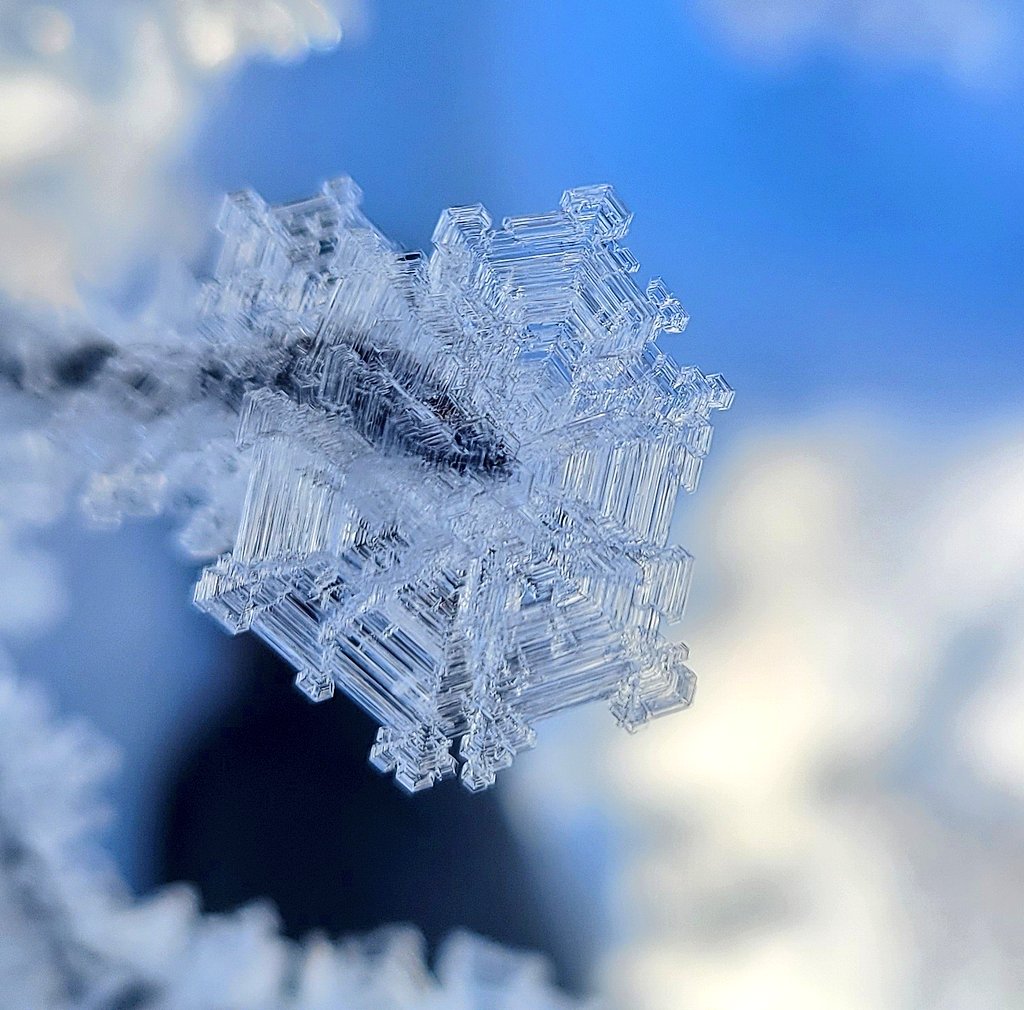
835	191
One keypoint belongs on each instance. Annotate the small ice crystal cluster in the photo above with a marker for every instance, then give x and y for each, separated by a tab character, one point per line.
463	472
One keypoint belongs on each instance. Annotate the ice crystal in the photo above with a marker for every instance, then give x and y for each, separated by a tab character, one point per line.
72	938
447	480
463	469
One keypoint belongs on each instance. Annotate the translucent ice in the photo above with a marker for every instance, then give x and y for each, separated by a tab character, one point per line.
462	468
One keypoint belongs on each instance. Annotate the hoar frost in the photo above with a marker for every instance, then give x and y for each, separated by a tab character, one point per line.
442	483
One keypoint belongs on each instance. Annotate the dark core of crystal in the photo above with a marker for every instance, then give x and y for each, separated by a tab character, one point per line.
12	370
67	369
78	366
134	996
436	428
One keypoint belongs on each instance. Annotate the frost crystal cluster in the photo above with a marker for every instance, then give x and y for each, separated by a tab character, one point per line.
72	938
463	469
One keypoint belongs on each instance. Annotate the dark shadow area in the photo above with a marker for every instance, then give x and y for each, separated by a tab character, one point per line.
278	801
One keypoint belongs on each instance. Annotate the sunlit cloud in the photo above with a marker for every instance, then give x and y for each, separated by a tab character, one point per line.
973	43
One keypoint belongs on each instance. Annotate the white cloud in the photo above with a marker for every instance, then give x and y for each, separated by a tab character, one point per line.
975	42
97	106
839	820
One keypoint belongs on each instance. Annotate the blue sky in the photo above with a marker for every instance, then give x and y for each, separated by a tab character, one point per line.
844	231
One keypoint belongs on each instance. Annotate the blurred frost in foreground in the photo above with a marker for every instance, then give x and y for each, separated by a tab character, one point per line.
71	938
98	103
839	822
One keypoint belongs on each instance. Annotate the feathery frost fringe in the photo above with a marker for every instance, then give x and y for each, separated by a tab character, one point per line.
72	938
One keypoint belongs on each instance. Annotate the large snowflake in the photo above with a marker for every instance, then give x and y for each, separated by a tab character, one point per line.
463	471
